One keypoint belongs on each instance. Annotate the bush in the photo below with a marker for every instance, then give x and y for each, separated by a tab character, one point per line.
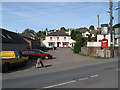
77	47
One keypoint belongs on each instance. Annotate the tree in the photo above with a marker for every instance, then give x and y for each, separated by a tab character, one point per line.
28	31
63	28
91	27
73	36
77	47
89	38
78	37
95	38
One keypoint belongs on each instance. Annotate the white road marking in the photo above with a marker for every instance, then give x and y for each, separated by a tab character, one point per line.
117	69
60	84
69	82
83	78
94	76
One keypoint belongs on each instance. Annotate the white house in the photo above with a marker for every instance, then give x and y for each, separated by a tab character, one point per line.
85	32
58	39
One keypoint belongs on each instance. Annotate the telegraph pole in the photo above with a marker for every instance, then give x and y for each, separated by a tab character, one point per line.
111	29
98	21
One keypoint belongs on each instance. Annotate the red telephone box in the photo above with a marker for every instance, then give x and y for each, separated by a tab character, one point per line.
104	43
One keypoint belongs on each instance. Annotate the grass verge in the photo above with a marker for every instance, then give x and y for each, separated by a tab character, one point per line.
97	57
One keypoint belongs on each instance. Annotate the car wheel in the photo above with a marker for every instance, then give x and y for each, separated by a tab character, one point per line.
5	68
46	57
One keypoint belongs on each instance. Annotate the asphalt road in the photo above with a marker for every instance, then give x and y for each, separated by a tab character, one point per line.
104	75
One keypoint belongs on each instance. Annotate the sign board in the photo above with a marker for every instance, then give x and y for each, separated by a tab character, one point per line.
104	29
104	43
117	32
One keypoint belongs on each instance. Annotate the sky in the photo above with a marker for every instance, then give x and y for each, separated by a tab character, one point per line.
17	16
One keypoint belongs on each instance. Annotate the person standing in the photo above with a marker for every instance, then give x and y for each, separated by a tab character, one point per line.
39	61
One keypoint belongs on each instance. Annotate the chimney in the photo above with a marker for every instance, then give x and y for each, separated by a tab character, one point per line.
69	32
46	32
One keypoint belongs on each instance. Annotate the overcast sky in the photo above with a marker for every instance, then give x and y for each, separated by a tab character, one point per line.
17	16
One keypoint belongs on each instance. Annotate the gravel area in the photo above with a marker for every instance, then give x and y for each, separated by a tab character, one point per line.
66	56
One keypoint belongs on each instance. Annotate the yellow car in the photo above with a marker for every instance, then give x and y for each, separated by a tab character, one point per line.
11	58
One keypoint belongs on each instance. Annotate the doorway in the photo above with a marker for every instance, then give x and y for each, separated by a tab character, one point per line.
58	44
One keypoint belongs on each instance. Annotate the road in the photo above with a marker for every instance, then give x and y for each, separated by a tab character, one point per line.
103	75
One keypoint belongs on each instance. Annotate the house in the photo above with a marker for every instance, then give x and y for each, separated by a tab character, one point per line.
12	41
30	38
86	32
93	33
58	39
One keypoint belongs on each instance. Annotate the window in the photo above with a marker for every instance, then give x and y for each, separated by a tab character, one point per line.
51	43
9	37
3	36
57	38
26	51
17	54
65	43
64	38
37	51
115	40
31	52
50	38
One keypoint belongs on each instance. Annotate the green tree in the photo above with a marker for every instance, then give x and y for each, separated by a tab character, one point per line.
73	36
77	46
91	27
63	28
89	38
95	38
78	37
28	31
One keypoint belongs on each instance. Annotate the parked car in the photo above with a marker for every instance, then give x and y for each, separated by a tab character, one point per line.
36	53
51	48
10	59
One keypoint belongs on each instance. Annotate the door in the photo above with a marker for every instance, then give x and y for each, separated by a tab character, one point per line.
58	44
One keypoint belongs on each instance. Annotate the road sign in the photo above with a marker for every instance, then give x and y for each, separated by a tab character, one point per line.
104	29
117	32
104	43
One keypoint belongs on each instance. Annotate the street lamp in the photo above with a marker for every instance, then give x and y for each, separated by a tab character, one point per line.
117	8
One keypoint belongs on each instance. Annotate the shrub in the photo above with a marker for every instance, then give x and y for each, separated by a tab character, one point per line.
77	47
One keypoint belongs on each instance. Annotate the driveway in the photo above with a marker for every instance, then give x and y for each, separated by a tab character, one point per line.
65	56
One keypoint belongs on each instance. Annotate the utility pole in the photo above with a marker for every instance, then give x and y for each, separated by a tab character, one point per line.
98	21
111	29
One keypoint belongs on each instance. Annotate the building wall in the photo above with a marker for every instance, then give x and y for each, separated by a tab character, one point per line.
61	40
86	34
14	47
30	46
93	44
